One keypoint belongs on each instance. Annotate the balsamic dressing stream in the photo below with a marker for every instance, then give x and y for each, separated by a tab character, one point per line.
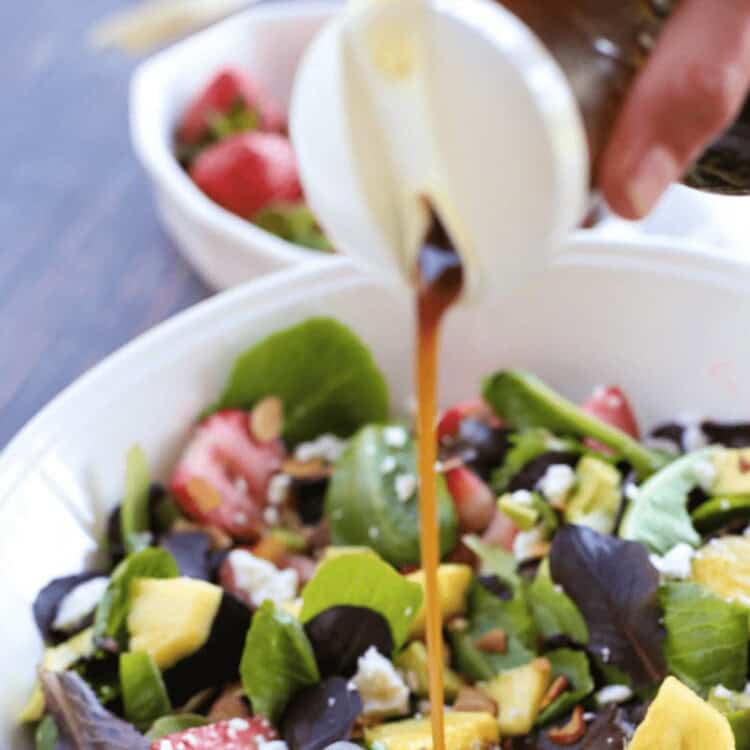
439	281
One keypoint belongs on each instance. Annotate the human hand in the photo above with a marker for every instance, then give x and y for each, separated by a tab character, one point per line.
690	89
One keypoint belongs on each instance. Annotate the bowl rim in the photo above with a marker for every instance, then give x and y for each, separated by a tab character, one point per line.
286	286
159	161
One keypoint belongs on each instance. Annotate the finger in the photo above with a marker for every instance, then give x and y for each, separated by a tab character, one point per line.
689	90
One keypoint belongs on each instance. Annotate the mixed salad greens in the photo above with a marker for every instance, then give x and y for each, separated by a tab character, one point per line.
595	587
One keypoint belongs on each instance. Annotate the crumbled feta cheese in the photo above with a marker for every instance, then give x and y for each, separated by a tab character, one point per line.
693	437
278	489
79	603
556	482
724	693
525	542
631	491
382	689
261	579
605	653
373	532
613	694
677	563
406	486
395	436
705	474
326	447
388	465
522	497
271	515
271	744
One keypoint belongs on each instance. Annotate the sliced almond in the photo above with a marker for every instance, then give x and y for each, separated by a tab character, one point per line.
218	537
493	642
229	705
571	732
270	548
267	419
204	494
470	699
314	469
556	689
538	550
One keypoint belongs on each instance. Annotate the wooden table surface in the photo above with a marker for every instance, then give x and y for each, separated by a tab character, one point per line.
84	265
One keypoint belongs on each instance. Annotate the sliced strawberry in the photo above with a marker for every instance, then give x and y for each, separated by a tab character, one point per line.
222	477
610	405
247	172
228	90
232	734
474	500
451	419
501	532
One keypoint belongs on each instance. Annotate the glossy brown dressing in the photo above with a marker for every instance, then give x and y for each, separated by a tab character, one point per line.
439	281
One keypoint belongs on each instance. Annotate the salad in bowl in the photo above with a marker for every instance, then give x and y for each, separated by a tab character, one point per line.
594	583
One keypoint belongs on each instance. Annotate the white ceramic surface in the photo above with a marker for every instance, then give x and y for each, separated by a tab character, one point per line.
267	41
669	326
454	102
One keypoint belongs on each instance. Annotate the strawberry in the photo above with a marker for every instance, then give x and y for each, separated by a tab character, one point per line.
222	477
501	532
610	405
229	90
474	500
451	419
248	172
232	734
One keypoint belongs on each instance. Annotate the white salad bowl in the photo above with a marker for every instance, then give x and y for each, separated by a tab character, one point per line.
669	326
268	42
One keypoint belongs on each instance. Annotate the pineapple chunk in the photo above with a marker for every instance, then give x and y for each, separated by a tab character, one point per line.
453	582
732	472
723	566
171	618
463	731
333	552
413	662
519	692
58	659
678	718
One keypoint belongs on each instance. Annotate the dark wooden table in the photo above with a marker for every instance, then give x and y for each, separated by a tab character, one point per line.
84	265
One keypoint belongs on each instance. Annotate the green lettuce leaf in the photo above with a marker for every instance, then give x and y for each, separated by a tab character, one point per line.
736	707
46	734
323	373
363	504
494	561
294	223
278	660
134	513
175	723
488	612
575	666
526	446
553	610
524	401
144	695
363	580
720	511
658	516
113	609
707	642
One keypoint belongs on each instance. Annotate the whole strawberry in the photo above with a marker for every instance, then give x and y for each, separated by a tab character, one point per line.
248	172
231	99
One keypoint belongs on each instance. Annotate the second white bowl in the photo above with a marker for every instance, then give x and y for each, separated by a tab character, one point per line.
266	41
